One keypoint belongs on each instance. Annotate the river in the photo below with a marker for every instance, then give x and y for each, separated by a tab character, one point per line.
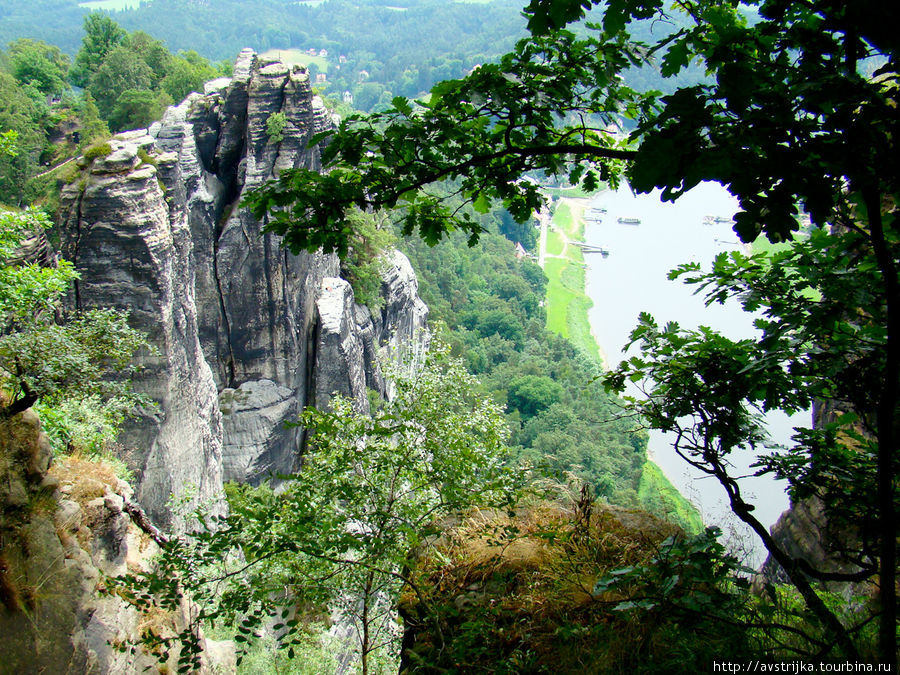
633	278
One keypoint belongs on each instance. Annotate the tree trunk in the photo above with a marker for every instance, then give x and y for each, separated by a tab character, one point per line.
885	416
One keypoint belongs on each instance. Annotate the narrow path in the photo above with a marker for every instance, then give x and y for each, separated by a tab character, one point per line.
54	168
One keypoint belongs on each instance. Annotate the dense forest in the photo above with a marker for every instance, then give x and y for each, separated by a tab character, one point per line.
429	506
406	48
562	418
491	302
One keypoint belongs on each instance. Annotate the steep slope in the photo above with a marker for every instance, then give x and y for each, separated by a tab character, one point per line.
247	333
63	531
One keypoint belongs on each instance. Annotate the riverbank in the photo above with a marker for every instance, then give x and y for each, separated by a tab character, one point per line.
567	306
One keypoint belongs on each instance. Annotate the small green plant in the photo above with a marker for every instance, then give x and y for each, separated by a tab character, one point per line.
69	174
88	425
146	157
275	125
365	261
99	150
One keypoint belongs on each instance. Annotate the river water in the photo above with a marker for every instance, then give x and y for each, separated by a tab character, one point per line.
632	279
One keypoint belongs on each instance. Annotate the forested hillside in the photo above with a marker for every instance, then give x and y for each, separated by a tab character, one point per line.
560	414
374	49
57	106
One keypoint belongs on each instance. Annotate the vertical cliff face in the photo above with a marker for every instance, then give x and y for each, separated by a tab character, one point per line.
63	530
247	334
132	255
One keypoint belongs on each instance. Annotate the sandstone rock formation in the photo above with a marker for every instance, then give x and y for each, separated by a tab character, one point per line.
155	225
62	532
805	533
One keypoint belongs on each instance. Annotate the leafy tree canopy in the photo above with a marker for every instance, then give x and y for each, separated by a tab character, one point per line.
40	65
101	36
800	112
41	358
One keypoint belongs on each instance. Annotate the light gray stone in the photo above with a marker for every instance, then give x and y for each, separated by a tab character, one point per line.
258	444
339	367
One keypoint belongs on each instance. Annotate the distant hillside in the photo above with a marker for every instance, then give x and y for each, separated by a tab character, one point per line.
403	45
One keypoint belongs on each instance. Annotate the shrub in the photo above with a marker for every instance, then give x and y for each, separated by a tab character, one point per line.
99	150
275	125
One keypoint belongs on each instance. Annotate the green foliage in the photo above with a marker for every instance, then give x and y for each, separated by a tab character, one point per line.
375	161
371	490
146	157
659	496
48	360
530	394
814	346
152	52
363	266
93	128
690	581
316	652
275	124
101	36
188	72
27	292
35	63
42	359
133	77
500	322
524	233
477	290
136	109
87	425
8	140
95	151
20	114
530	594
121	70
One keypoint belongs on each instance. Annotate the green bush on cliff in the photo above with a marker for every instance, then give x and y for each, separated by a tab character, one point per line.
371	490
62	363
99	150
275	124
363	266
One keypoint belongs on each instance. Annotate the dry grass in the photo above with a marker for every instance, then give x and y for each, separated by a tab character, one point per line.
526	580
88	478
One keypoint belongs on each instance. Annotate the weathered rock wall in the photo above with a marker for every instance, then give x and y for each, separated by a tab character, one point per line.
247	333
132	254
61	532
805	533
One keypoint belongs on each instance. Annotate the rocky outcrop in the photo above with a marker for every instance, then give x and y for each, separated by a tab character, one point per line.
132	254
63	531
399	328
805	532
258	444
247	334
339	347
